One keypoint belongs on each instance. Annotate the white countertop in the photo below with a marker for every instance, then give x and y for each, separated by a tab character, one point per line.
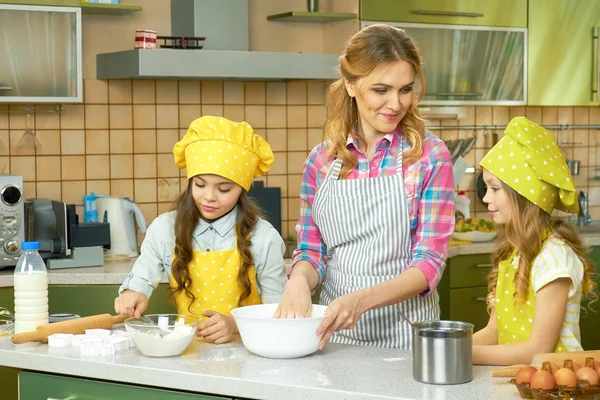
339	372
115	272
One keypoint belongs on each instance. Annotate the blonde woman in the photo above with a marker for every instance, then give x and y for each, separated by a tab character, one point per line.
376	201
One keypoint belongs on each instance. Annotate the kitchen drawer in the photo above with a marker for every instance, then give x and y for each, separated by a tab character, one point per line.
507	13
37	386
469	271
469	305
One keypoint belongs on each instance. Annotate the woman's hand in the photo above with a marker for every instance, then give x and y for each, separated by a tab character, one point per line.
296	301
342	313
218	328
131	303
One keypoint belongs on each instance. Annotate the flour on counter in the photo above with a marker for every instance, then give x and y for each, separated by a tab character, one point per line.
221	352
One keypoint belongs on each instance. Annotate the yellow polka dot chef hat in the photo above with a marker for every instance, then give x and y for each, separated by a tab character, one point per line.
216	145
528	160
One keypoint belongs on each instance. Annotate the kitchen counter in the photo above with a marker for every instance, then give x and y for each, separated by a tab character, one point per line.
115	272
335	373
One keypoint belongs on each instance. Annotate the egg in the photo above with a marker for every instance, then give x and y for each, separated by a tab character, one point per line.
542	379
588	374
565	377
524	374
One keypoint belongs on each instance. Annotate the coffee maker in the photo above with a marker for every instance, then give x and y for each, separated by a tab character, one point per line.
64	242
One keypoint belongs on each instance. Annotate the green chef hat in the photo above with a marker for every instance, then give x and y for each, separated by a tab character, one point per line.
528	160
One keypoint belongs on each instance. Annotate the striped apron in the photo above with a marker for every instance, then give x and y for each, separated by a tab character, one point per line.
365	226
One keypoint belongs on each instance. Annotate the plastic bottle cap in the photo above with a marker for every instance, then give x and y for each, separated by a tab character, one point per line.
30	245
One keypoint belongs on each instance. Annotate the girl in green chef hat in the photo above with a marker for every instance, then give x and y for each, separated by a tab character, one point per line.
540	272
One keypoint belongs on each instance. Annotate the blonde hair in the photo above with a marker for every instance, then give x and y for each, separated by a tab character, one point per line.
373	47
524	232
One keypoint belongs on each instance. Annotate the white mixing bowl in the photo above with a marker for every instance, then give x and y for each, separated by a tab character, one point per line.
278	338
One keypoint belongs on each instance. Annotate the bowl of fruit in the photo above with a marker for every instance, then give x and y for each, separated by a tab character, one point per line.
474	230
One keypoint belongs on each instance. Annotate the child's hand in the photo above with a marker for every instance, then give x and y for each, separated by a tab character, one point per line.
218	328
131	303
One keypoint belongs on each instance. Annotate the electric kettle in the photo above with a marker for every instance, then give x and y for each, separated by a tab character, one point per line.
122	214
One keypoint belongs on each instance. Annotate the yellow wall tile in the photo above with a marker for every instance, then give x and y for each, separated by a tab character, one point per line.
316	92
565	115
516	111
297	117
121	166
73	168
29	190
276	93
144	116
145	190
255	93
167	116
581	115
534	114
284	209
97	166
167	92
96	117
73	117
594	115
144	92
279	166
483	115
297	139
276	117
294	182
144	165
316	116
4	116
233	93
214	110
212	92
48	168
549	115
119	92
23	165
500	115
144	141
20	145
4	143
72	142
121	141
96	91
279	181
189	92
168	189
73	192
97	142
165	140
47	120
234	112
121	188
293	208
166	167
315	136
277	138
50	142
18	119
121	116
296	92
256	116
296	161
101	187
188	113
165	207
150	212
49	190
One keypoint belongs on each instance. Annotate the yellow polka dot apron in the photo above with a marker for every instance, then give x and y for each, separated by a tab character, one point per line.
214	283
514	321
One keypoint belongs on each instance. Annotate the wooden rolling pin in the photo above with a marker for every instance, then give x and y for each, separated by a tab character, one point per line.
558	358
75	326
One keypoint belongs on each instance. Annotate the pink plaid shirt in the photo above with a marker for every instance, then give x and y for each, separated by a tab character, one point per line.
429	183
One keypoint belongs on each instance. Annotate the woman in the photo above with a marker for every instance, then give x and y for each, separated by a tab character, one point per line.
376	201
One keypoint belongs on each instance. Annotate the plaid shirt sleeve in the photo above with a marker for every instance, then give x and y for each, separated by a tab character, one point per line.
432	215
310	245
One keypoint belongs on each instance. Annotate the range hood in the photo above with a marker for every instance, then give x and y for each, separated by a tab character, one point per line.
225	55
312	15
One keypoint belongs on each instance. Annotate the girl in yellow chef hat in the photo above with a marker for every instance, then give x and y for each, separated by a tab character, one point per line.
540	272
217	250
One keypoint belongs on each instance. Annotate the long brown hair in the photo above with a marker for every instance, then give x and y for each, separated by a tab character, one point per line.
524	232
186	220
373	47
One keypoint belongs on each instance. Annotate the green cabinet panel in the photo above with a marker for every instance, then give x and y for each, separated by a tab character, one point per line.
469	305
589	320
562	53
37	386
507	13
471	270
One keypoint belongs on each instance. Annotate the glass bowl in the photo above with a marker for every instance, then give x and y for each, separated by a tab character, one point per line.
162	335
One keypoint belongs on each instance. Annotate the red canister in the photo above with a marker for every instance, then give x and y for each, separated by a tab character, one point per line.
145	39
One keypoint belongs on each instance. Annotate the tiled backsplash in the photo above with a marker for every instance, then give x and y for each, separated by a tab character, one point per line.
119	140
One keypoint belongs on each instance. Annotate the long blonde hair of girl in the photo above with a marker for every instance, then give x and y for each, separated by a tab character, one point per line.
523	231
186	221
375	46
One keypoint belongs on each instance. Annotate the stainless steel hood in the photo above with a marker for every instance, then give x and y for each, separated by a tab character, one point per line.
225	55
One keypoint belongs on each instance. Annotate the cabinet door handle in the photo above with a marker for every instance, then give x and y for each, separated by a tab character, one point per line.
484	299
470	94
66	398
448	13
484	265
595	59
5	88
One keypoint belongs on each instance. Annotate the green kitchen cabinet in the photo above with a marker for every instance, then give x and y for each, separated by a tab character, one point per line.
505	13
589	320
33	386
563	55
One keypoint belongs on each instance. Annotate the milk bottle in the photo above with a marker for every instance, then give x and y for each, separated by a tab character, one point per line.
31	289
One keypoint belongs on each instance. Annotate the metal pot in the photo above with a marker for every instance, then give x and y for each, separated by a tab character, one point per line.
442	352
573	166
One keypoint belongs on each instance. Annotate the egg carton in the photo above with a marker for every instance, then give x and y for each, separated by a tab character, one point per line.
583	391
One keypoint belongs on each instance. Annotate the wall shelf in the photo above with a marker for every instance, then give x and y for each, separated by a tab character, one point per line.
113	9
311	16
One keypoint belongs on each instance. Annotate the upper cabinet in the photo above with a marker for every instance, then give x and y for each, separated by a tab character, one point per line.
41	54
563	52
507	13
